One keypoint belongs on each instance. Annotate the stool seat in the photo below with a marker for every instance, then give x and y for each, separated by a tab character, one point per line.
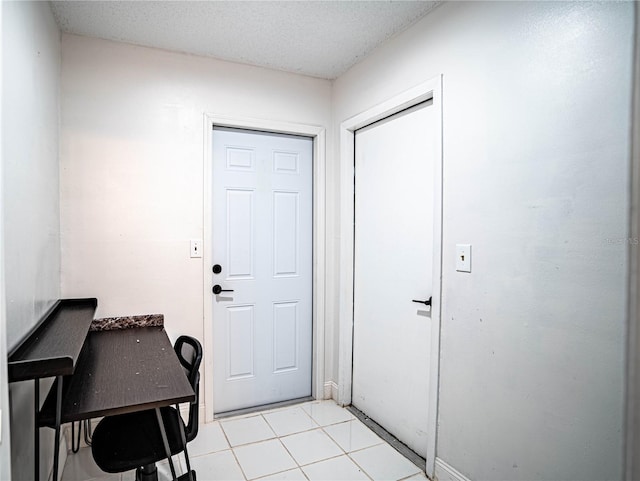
127	441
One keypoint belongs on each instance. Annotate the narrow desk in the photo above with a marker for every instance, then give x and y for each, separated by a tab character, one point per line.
120	371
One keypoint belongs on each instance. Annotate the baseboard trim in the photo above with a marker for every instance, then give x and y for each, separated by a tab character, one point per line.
326	392
331	390
446	472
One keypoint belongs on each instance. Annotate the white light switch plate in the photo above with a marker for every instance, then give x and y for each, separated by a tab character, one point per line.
196	248
463	257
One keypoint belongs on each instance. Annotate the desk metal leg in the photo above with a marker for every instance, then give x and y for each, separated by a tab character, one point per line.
184	443
165	441
87	432
36	429
56	443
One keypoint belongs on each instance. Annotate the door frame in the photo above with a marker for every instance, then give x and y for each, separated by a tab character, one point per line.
318	134
5	433
632	424
429	90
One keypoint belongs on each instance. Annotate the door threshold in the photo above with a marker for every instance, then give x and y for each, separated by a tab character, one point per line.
262	407
389	438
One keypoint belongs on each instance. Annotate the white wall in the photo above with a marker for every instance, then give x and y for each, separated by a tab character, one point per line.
31	69
536	104
30	92
132	168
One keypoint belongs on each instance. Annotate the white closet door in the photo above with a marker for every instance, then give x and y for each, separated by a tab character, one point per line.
394	234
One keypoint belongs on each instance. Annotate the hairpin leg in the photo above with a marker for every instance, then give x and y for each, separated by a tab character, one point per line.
75	445
87	432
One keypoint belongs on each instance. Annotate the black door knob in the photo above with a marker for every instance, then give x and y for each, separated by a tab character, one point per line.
217	269
217	289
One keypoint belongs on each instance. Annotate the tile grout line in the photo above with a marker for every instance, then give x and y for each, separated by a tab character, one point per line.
347	454
295	432
244	475
343	450
361	468
292	457
286	450
319	427
191	456
262	441
389	438
251	442
233	453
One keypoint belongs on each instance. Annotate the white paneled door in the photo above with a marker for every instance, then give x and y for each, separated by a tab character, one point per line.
262	255
394	261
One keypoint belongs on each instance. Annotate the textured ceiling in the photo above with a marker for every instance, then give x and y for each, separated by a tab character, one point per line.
317	38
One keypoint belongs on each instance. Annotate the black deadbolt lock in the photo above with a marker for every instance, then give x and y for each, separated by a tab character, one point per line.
217	269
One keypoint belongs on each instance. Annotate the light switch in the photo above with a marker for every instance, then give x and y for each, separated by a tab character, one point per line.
463	257
196	248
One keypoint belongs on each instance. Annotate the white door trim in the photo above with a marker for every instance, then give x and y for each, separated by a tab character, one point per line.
5	435
431	89
632	438
319	215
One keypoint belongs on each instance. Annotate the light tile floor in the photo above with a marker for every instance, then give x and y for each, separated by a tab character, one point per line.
315	441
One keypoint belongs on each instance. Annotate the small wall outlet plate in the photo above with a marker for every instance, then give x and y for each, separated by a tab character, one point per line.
196	248
463	257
